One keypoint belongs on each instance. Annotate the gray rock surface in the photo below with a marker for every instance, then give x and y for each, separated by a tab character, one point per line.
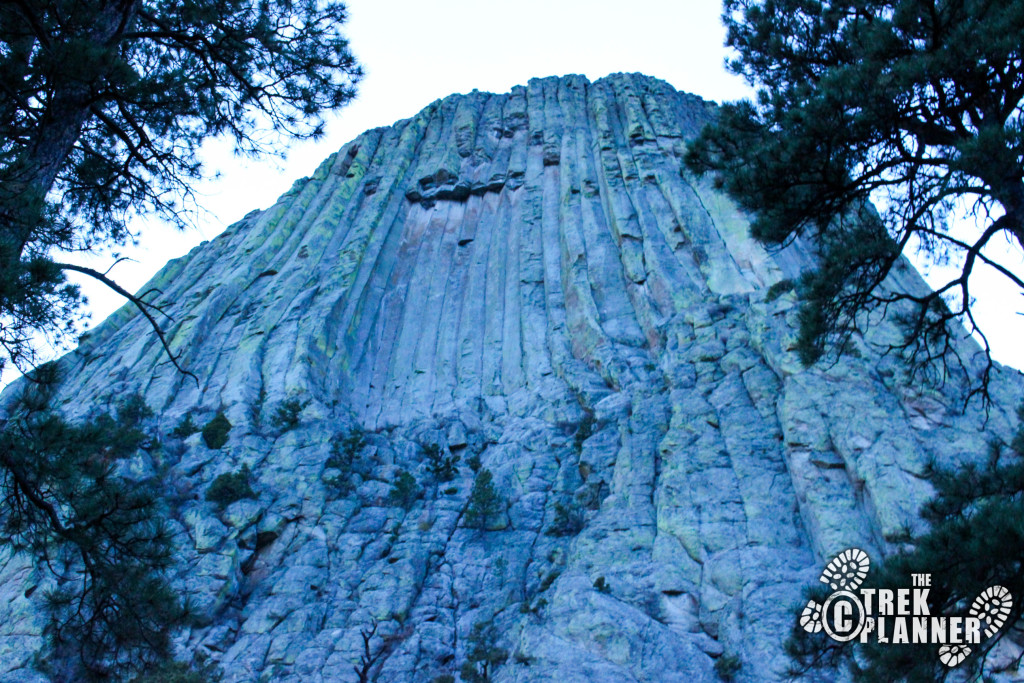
531	279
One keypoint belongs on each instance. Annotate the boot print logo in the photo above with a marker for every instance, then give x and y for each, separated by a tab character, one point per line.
899	615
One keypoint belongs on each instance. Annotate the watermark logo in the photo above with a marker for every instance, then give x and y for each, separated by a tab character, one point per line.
899	615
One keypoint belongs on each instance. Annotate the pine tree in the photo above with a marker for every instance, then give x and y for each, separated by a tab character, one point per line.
484	501
344	451
482	653
915	104
68	504
404	491
105	105
441	462
104	108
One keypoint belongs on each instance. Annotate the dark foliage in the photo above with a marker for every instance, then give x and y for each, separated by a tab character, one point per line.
568	521
231	487
180	672
727	666
66	502
344	451
915	104
186	428
104	106
482	653
441	462
976	540
583	432
484	501
215	432
404	491
552	576
778	289
286	417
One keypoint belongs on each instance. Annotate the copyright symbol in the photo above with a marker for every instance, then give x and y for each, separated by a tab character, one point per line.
842	616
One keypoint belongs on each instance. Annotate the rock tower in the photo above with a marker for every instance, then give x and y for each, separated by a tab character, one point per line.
532	283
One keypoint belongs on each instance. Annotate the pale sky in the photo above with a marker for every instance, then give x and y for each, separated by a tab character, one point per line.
416	52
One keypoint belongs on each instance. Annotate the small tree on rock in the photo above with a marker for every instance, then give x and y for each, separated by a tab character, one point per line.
482	653
404	491
344	451
441	462
484	501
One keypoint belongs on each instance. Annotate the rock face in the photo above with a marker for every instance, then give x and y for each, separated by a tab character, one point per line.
531	280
